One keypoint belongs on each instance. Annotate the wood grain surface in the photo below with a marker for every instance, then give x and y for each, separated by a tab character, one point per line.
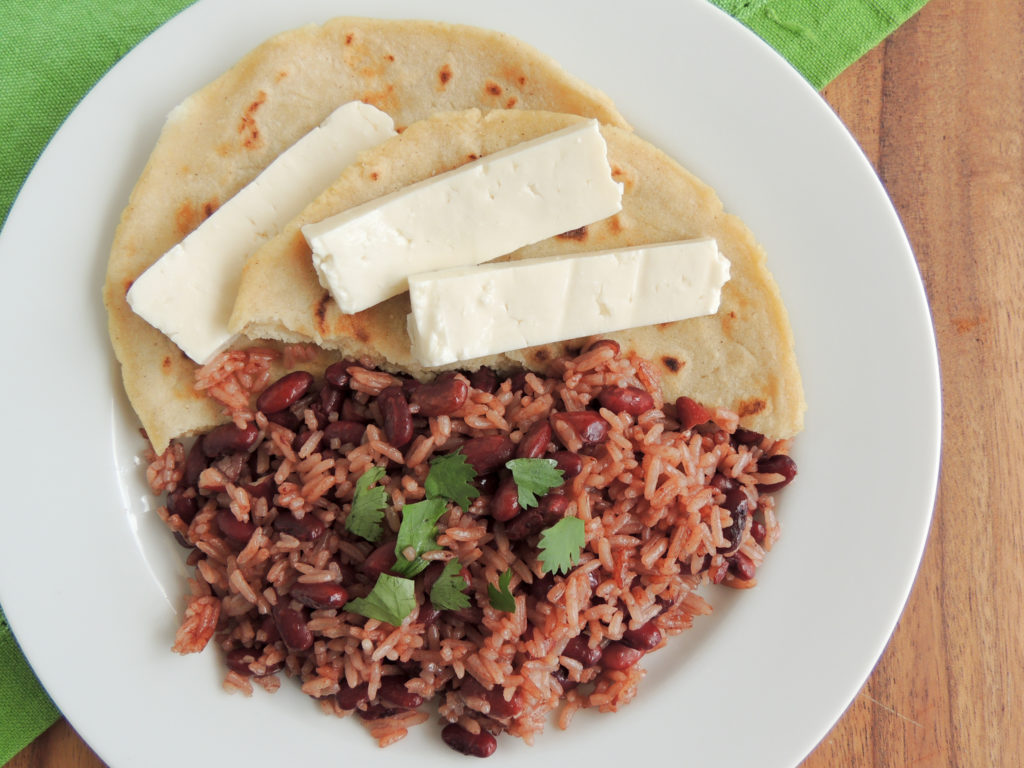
939	110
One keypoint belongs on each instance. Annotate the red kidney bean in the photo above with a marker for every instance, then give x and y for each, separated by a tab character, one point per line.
239	659
269	629
284	392
690	413
285	419
620	656
484	379
292	626
380	560
722	482
233	528
441	397
734	533
588	425
780	464
337	374
524	524
570	463
352	410
394	410
505	502
534	443
307	528
350	698
502	708
184	505
486	454
580	650
458	738
330	399
263	489
746	437
378	712
518	381
540	587
302	437
486	484
393	691
195	463
563	679
644	638
742	566
345	432
227	438
631	400
552	507
734	497
182	541
758	531
322	595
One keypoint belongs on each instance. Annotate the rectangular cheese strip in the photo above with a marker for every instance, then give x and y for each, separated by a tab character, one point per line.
188	293
460	314
472	214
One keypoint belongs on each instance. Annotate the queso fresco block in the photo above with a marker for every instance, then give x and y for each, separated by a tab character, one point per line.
469	215
461	314
189	292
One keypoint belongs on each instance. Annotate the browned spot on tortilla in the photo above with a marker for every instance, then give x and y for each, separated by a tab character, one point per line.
541	355
751	407
128	286
281	75
320	313
166	363
247	126
186	218
672	363
210	207
444	75
389	57
383	100
348	38
374	175
493	88
615	224
362	334
472	156
511	103
575	234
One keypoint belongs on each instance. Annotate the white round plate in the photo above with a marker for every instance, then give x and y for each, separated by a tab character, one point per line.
93	585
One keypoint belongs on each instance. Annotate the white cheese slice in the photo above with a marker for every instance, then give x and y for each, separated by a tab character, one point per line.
468	312
189	292
472	214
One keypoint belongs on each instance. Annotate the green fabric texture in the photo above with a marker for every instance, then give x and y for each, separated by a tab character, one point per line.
821	38
53	51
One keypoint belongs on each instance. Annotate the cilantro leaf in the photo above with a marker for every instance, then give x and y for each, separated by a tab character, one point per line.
418	530
447	592
561	544
534	477
364	519
501	597
391	600
450	477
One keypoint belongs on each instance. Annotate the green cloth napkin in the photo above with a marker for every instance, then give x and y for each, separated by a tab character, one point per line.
53	51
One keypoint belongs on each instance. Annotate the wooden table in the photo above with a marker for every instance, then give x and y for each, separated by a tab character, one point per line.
939	110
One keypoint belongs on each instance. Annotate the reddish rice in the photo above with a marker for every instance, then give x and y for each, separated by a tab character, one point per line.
648	495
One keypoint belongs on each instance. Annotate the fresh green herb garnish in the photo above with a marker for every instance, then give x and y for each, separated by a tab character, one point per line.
364	519
501	597
450	477
561	544
534	477
391	600
447	593
419	531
